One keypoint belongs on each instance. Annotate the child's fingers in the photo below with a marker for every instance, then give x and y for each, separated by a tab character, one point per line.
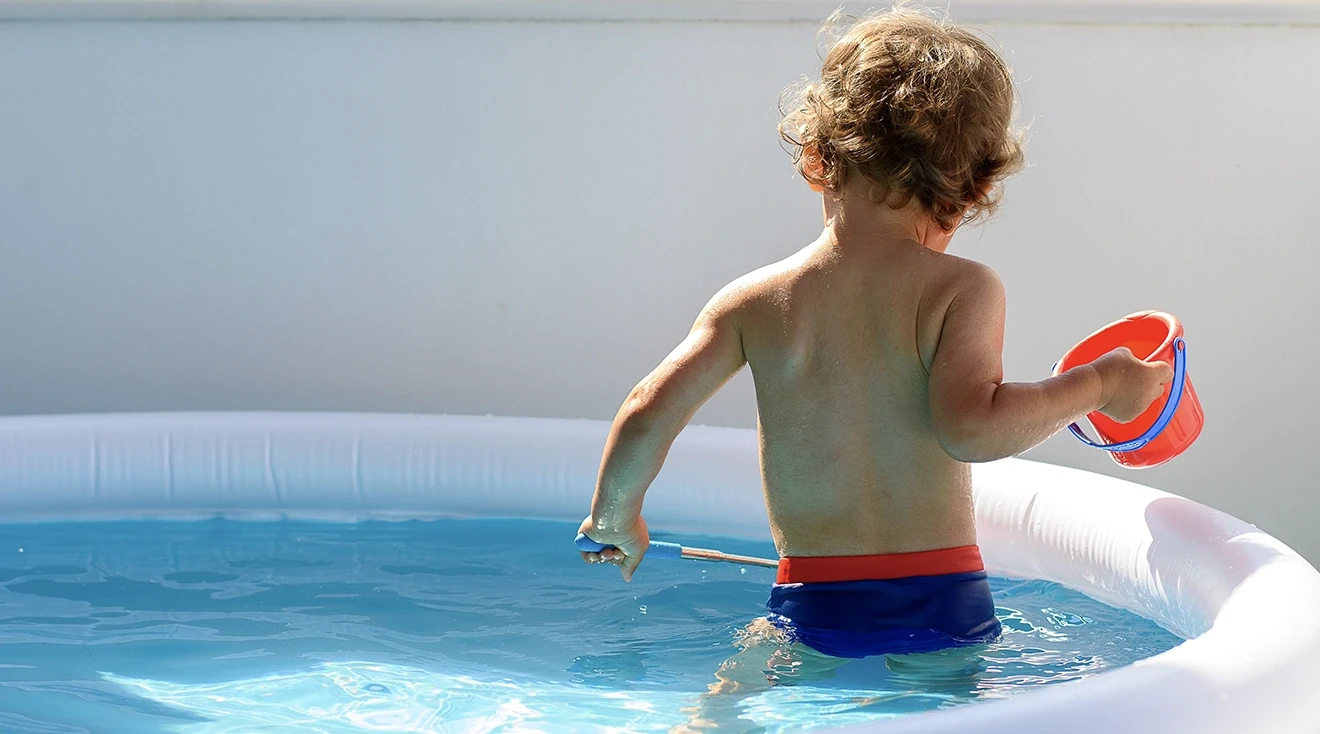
629	565
1164	370
609	555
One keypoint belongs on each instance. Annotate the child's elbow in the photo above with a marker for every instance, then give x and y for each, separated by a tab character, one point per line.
644	414
968	452
968	440
638	415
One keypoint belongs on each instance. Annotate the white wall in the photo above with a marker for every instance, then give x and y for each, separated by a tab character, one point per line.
522	218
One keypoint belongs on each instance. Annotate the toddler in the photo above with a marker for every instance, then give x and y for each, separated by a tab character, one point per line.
876	356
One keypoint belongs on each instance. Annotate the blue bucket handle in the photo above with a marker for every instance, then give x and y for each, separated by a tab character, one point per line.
1166	415
658	549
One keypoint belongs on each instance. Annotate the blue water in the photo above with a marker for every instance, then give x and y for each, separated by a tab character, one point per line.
453	625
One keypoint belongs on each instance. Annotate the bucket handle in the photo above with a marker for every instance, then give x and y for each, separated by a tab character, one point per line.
1166	415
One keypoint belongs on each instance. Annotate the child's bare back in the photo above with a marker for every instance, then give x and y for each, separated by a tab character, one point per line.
840	339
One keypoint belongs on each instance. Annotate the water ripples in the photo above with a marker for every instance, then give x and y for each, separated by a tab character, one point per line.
222	626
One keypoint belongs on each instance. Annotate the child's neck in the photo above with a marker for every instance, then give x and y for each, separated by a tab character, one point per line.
857	222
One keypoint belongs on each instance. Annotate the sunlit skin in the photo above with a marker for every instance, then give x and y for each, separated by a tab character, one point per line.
877	362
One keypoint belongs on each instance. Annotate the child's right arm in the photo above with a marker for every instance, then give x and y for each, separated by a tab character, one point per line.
978	417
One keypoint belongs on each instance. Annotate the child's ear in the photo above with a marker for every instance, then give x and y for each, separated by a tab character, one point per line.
813	167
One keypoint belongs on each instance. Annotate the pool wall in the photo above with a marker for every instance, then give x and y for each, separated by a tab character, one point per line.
1247	601
517	208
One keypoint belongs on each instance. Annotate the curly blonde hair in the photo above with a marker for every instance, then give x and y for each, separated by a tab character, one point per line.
920	107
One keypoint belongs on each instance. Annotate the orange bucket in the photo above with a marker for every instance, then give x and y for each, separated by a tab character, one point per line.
1171	423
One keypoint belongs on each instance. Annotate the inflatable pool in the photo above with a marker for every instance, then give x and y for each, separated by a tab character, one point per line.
1245	602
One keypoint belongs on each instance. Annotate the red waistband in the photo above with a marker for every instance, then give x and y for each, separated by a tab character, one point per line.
822	569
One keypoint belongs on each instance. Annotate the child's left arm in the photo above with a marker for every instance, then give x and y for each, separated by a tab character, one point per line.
650	419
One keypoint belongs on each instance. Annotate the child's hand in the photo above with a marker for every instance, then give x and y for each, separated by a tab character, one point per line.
629	543
1128	385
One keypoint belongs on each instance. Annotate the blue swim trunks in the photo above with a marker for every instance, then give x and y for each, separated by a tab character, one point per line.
855	606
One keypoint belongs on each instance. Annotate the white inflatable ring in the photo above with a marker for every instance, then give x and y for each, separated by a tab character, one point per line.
1248	605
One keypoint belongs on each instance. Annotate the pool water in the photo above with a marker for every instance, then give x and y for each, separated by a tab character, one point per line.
453	625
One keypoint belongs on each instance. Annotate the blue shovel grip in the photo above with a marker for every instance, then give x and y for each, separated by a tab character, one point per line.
1166	415
658	549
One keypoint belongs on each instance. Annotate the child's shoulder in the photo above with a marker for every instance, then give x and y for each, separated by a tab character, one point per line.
957	285
954	276
764	284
